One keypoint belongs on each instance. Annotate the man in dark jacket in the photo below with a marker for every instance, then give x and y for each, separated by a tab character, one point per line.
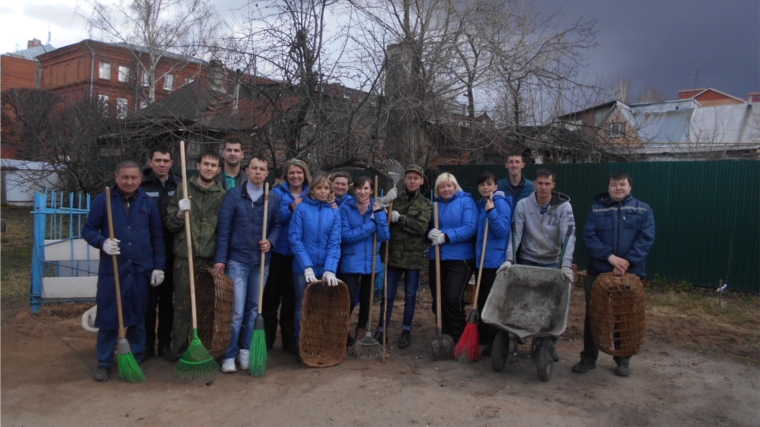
409	221
619	234
515	184
204	202
231	175
138	244
160	183
240	243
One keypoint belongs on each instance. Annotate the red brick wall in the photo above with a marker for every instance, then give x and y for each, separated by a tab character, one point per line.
17	73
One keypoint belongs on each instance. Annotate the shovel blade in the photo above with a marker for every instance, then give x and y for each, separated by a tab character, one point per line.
441	347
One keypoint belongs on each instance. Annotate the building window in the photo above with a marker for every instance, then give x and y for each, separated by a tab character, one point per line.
168	82
146	78
123	74
143	104
616	130
122	106
189	80
104	71
103	100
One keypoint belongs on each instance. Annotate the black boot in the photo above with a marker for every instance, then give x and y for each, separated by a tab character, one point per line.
378	337
623	366
406	339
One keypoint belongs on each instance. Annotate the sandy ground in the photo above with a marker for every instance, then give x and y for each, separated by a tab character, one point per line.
47	360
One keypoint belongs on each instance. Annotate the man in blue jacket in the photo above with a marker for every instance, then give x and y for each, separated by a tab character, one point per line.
240	242
515	184
138	244
619	234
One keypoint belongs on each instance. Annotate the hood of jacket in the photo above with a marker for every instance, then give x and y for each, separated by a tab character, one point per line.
458	195
557	199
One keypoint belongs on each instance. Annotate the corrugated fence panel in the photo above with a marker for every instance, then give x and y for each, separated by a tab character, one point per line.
705	213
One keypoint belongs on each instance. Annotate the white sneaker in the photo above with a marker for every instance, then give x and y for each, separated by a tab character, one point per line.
243	359
228	366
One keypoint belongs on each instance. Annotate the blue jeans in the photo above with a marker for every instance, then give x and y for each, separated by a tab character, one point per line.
410	296
299	280
245	306
107	344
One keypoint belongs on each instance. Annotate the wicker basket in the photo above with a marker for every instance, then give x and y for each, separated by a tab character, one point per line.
618	309
214	296
324	324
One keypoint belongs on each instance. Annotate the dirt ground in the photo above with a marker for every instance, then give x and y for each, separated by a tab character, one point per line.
47	360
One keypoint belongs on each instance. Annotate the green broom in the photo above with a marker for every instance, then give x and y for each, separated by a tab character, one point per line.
197	362
258	354
129	370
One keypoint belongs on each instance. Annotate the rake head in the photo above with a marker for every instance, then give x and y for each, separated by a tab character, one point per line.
395	170
197	362
366	348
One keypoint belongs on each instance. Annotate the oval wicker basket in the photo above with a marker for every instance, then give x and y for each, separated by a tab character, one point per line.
214	296
617	314
324	324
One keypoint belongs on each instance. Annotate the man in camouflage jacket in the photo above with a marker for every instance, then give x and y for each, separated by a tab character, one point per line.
409	221
204	202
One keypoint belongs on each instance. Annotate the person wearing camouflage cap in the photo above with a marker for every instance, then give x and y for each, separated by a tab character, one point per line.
408	223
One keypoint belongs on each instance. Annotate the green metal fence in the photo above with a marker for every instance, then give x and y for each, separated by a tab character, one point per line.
706	214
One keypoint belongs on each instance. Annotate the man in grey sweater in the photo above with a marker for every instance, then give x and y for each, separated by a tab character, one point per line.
541	221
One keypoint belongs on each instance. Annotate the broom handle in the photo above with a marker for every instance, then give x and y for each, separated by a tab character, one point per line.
439	321
189	238
263	236
385	290
122	331
480	269
374	265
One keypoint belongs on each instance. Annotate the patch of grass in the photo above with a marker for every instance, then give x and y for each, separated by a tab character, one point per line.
17	243
740	312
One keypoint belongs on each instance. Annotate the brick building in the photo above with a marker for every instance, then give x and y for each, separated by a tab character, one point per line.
114	74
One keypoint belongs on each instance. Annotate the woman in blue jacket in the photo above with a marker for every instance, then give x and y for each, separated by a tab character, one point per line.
360	220
458	219
279	288
494	207
314	237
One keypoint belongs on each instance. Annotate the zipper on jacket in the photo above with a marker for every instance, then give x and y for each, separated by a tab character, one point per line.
617	237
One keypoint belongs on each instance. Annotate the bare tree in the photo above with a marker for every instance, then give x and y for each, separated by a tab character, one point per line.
76	138
156	29
621	91
650	94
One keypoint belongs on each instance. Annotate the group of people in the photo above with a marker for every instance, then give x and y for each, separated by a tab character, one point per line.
317	231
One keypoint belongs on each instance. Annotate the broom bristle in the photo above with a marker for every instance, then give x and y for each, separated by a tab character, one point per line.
366	348
258	355
196	362
129	370
467	349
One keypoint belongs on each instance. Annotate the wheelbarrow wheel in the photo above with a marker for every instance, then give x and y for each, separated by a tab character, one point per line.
500	351
545	361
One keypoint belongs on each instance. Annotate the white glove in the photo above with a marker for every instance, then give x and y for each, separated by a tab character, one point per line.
330	278
505	266
441	239
395	216
433	235
184	206
309	273
568	272
157	277
392	194
111	247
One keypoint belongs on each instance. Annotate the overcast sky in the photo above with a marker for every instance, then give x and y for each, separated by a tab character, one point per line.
648	42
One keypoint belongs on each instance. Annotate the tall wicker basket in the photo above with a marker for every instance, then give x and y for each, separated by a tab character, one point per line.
617	313
214	296
324	324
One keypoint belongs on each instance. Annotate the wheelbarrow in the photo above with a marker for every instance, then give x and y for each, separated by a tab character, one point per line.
529	302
